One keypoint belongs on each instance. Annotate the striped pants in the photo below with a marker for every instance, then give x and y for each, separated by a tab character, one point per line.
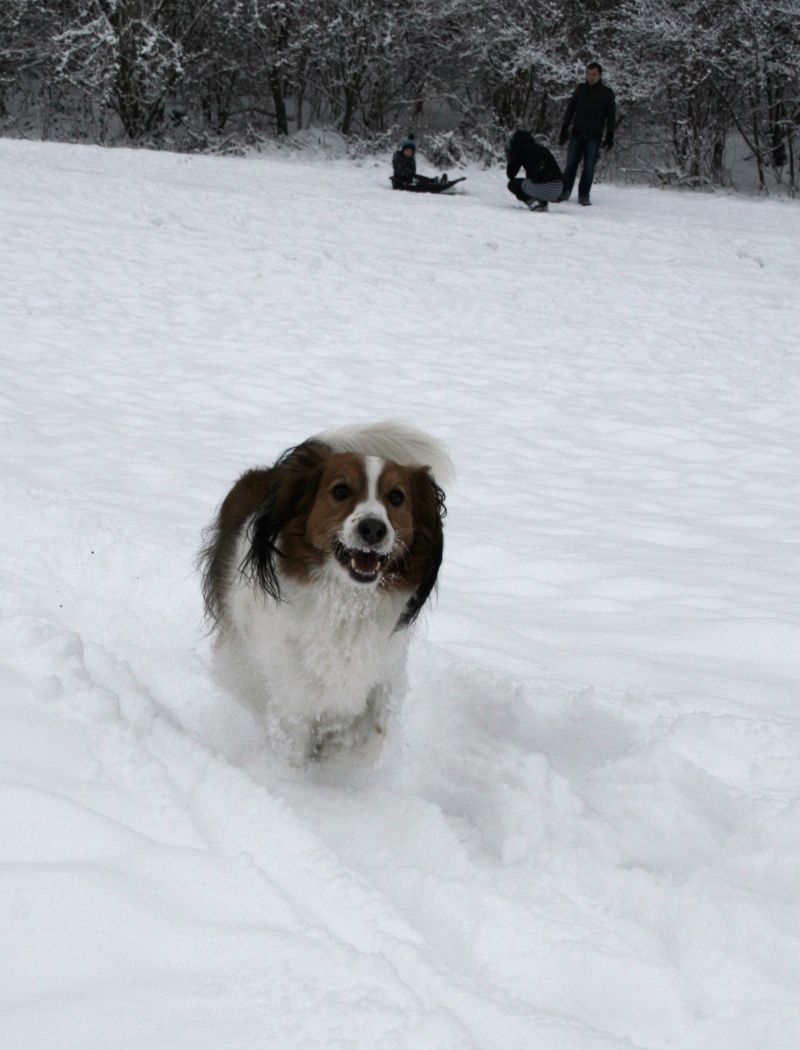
525	190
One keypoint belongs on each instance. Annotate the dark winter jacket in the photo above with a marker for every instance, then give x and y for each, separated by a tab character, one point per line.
539	163
404	169
591	109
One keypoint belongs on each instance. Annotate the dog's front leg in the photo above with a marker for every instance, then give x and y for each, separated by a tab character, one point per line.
301	740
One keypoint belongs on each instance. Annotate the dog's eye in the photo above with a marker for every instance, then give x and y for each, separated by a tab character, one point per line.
396	497
340	492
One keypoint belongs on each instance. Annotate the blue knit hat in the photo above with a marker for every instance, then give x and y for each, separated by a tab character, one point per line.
409	143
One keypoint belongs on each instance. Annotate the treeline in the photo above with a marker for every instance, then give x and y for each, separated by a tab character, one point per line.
184	73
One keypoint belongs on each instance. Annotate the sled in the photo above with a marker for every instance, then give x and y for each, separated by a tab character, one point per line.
430	187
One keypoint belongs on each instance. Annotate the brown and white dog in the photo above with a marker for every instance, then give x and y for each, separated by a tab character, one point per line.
314	570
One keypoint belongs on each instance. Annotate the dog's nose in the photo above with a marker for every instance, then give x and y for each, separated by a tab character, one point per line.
372	530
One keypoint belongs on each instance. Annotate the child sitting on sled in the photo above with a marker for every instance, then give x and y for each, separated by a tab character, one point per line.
404	168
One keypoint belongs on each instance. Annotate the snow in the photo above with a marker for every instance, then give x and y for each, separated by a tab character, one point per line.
583	832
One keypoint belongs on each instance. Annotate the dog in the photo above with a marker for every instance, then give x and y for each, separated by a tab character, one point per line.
313	572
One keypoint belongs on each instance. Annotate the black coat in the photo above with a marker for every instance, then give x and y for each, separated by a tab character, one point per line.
404	169
591	109
539	163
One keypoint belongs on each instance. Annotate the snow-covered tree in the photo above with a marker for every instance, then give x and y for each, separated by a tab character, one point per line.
686	72
521	57
761	78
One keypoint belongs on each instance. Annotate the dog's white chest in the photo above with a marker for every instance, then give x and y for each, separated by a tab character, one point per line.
325	648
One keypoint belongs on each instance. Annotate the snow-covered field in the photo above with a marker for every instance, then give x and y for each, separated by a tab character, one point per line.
584	832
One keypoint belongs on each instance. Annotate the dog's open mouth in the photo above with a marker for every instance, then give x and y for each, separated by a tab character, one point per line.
363	566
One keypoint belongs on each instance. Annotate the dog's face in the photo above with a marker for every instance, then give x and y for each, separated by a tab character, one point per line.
369	521
363	516
362	519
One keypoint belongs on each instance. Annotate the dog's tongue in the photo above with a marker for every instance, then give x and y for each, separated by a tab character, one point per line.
366	562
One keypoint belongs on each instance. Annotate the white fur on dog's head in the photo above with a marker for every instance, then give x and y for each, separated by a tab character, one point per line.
396	442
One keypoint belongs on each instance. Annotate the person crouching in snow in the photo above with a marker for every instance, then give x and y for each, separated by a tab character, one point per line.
404	168
543	180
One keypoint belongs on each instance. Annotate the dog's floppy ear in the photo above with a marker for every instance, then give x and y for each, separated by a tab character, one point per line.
290	496
215	560
427	547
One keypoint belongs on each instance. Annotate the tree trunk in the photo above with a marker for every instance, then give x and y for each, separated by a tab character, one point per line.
276	90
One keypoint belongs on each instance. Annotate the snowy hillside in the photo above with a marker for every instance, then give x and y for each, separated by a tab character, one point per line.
584	831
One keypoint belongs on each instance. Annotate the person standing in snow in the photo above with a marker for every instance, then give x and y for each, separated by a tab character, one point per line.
542	182
404	169
591	111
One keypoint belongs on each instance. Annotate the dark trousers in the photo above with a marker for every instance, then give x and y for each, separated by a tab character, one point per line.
586	150
410	184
